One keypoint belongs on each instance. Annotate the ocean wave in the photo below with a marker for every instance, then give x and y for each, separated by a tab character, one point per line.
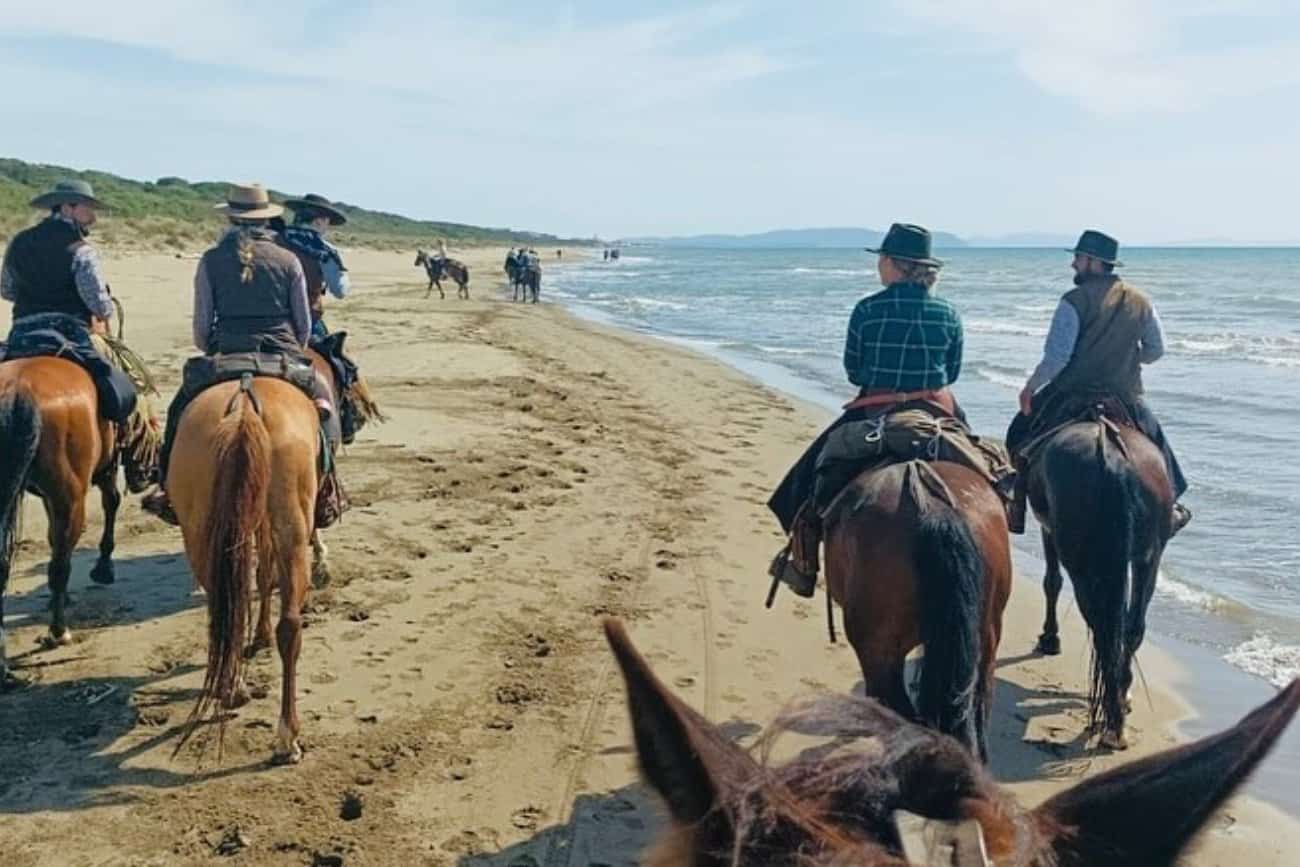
1188	595
1273	350
1265	657
1001	377
834	272
994	326
656	303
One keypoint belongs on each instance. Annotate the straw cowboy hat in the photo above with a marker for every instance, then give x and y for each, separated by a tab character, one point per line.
67	192
249	202
323	206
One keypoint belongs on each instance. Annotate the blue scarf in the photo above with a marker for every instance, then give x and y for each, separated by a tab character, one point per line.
308	241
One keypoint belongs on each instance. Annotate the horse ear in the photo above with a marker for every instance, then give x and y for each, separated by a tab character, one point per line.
682	755
1146	812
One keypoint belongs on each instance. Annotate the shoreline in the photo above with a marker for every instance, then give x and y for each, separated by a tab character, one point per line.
538	473
1215	693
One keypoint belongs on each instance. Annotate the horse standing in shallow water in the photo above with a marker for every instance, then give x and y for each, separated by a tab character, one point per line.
918	553
1104	500
54	444
438	267
839	805
243	481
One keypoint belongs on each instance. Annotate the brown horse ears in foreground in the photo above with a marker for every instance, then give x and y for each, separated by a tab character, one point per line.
1143	813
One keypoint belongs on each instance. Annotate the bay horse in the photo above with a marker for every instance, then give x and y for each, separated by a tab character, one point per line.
243	480
1104	500
918	553
842	805
439	267
54	444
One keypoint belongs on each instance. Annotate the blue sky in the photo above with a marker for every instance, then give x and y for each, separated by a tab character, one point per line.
1158	120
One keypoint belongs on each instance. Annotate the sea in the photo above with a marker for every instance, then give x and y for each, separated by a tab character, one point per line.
1227	390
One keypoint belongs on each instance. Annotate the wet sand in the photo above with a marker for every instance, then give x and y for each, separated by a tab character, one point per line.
537	474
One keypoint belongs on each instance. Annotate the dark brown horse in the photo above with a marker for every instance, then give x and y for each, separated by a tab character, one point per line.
918	553
438	267
1103	498
846	805
54	444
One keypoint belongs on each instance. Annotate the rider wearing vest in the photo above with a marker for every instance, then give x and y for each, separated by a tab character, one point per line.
52	275
904	344
250	296
1102	333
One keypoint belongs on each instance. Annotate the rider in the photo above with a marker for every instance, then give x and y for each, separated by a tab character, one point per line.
904	344
1102	333
322	264
52	275
250	296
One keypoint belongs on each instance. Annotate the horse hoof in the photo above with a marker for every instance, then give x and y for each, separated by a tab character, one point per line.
49	640
237	699
1110	740
292	757
1048	645
103	572
320	576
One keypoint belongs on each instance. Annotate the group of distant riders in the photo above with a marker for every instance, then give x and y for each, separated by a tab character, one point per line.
523	268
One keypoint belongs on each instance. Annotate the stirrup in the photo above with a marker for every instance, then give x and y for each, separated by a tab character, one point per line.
158	504
784	569
1182	517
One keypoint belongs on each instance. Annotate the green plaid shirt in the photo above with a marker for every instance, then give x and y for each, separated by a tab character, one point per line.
903	339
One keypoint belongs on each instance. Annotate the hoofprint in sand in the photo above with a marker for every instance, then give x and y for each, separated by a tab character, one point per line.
459	704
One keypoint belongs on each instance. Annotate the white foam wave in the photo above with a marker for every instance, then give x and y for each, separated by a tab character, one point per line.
1265	657
998	377
1188	595
835	272
657	303
782	350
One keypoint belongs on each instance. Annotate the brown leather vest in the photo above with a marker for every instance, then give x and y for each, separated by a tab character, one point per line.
252	316
1112	317
311	269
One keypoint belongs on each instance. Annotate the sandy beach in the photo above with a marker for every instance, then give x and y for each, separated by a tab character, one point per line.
537	473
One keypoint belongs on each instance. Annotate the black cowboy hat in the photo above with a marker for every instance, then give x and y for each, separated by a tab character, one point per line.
68	192
909	242
1099	246
320	204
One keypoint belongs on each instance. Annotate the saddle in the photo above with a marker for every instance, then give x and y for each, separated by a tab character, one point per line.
116	394
917	430
1067	409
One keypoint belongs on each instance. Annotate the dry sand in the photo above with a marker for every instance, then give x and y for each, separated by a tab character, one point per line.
537	474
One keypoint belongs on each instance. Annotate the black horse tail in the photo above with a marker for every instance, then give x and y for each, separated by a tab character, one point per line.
1110	550
950	567
20	436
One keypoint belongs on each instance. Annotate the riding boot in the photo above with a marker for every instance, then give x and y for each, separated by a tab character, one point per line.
1018	505
1182	517
158	504
331	500
796	565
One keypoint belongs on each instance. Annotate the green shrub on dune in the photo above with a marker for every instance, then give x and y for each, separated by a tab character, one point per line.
173	213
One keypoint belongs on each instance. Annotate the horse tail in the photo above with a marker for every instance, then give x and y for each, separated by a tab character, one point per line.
1110	553
237	510
20	437
950	569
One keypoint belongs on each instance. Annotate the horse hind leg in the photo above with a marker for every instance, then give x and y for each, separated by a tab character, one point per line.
1049	642
103	571
67	520
288	634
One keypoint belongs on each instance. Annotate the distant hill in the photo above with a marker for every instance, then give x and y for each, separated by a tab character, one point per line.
175	213
829	237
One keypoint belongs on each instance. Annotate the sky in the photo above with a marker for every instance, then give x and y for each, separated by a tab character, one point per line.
1157	120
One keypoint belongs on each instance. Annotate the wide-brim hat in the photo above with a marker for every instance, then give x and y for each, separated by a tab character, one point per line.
249	202
67	192
313	202
909	242
1099	246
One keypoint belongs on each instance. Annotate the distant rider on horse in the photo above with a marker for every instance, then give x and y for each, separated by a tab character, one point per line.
53	276
903	351
251	312
1102	333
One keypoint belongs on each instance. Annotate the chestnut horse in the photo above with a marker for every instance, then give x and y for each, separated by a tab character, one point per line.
918	553
54	444
243	480
1104	500
438	268
846	804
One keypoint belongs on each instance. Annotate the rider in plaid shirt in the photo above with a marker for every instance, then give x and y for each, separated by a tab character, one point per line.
904	344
